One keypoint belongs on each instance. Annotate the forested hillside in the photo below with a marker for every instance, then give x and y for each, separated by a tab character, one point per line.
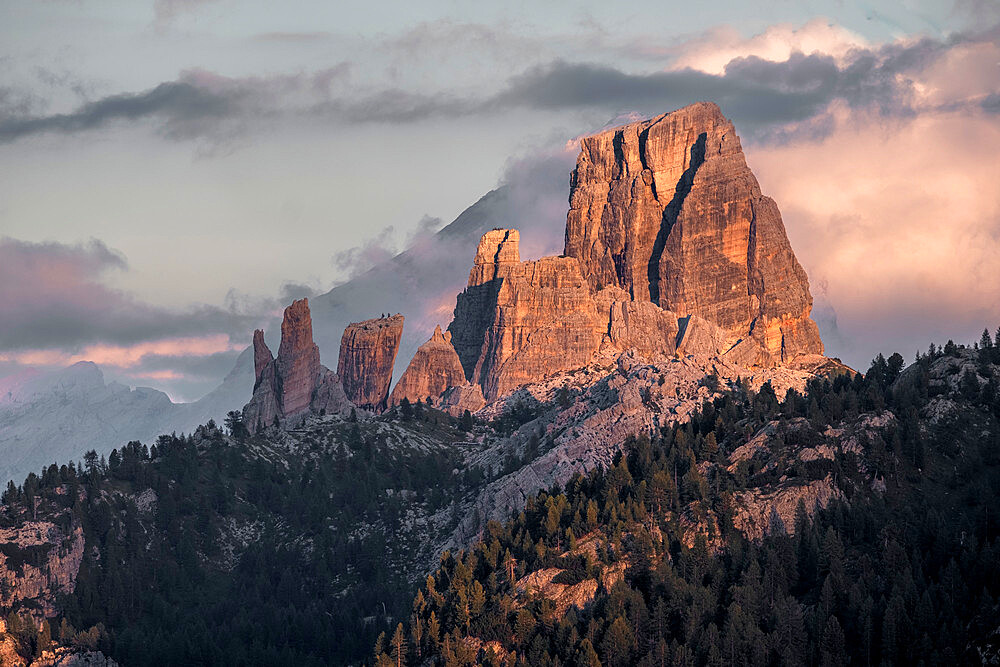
218	548
856	521
903	567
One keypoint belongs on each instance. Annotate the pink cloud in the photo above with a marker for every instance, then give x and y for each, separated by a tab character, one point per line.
714	50
900	220
127	356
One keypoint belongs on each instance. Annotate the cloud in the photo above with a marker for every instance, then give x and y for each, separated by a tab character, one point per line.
198	105
779	77
167	10
184	110
715	49
54	300
897	224
766	96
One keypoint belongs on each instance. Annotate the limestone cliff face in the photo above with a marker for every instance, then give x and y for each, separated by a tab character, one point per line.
496	255
367	354
544	321
639	325
520	321
295	382
39	561
668	210
434	369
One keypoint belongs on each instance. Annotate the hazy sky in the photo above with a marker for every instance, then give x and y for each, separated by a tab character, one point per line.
173	171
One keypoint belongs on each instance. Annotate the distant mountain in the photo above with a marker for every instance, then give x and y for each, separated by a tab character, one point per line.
57	416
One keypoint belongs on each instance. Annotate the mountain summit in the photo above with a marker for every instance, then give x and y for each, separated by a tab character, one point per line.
668	210
670	246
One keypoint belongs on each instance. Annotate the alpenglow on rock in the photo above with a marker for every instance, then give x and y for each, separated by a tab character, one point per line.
434	369
668	210
670	248
367	354
518	321
295	383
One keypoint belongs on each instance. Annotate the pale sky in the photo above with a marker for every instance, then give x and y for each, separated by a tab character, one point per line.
170	166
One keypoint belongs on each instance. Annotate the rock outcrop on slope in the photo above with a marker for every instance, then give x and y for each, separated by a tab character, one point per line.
668	210
434	369
367	354
39	561
295	382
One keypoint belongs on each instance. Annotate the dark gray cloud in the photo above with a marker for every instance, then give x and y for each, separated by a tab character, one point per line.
185	110
753	91
758	94
54	297
991	103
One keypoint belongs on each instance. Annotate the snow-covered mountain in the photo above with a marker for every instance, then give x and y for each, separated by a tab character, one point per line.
57	416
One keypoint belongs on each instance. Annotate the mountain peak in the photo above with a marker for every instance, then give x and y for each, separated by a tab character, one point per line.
668	210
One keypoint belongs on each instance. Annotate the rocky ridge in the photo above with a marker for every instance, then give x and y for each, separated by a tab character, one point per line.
586	415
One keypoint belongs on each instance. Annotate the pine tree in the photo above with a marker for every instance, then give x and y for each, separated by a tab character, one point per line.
465	424
399	646
586	656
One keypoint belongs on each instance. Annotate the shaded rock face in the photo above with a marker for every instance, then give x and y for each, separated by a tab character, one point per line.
39	562
261	355
434	369
367	354
265	404
668	210
496	255
295	382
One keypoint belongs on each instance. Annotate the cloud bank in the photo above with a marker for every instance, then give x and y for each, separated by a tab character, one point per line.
56	310
882	158
784	75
